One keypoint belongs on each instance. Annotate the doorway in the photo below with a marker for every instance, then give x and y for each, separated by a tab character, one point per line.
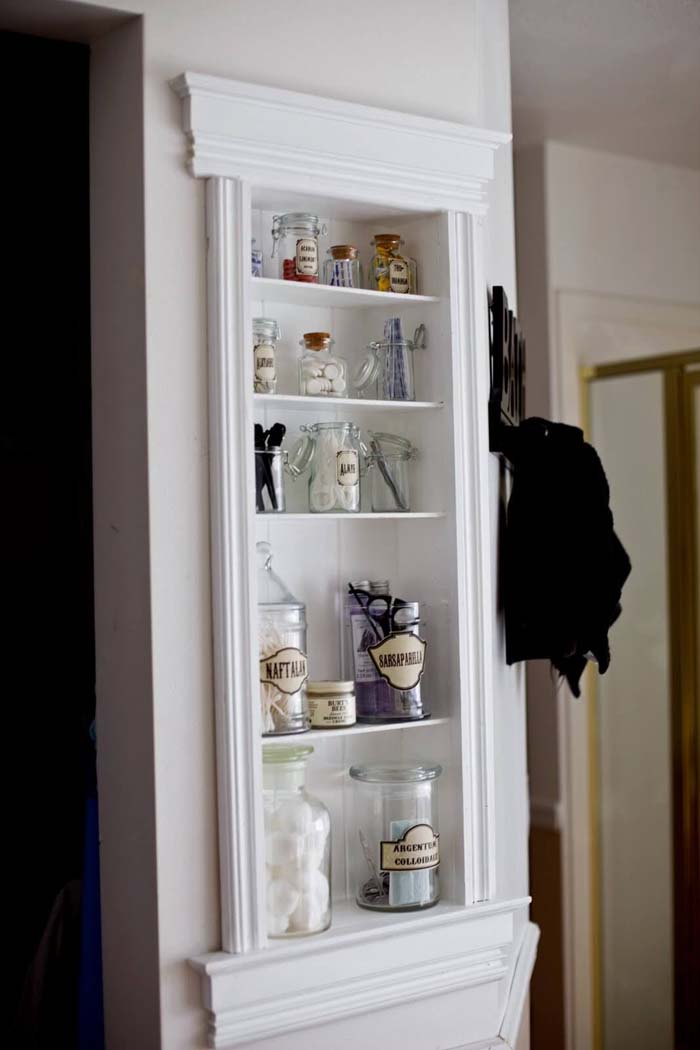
643	417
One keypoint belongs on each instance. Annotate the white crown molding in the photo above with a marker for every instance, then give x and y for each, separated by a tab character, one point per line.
296	142
339	980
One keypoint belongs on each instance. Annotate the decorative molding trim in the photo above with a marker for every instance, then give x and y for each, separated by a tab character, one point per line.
338	981
470	362
233	545
519	985
293	141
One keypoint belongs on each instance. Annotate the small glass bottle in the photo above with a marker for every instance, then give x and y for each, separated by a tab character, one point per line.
282	647
321	374
266	332
295	243
389	270
297	846
342	268
394	836
332	452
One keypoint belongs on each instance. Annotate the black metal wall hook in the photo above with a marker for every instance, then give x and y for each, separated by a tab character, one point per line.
507	354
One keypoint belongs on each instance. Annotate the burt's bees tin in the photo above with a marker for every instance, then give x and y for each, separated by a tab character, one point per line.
331	704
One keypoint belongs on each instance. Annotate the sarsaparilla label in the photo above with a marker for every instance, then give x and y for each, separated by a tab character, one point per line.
400	659
418	849
287	670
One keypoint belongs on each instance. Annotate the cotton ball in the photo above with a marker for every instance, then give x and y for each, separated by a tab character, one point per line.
294	815
307	916
282	898
314	884
313	386
282	847
338	386
331	371
277	924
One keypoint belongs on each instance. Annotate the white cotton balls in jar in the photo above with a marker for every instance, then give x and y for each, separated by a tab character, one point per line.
321	374
297	846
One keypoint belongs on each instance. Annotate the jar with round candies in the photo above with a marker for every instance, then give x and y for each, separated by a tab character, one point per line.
321	374
266	332
295	244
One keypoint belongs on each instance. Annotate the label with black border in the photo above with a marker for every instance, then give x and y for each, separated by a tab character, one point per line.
287	670
418	849
400	659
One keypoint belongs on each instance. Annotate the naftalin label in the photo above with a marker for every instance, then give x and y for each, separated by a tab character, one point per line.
400	659
418	849
347	468
307	257
286	669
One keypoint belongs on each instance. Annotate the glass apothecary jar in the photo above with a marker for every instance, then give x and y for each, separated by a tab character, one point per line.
390	270
282	648
387	639
332	453
295	244
297	846
388	468
395	837
321	374
342	268
266	333
386	372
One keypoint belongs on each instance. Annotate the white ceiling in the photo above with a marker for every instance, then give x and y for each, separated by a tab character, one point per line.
616	75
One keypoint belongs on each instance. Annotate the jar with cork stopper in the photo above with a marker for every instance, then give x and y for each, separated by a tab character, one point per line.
342	268
390	270
321	374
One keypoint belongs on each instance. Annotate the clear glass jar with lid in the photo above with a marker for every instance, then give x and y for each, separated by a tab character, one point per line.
266	332
297	846
342	268
388	465
333	453
389	270
282	652
321	374
394	837
295	243
387	372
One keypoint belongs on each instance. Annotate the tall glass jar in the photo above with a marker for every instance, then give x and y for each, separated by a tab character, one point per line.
394	843
266	332
297	846
321	374
332	453
282	647
389	270
342	268
295	243
389	656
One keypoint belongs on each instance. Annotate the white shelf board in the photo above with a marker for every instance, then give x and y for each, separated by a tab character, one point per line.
301	401
307	516
299	293
356	730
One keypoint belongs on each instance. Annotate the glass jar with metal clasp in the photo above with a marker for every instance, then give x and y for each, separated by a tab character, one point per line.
334	456
388	468
295	244
386	373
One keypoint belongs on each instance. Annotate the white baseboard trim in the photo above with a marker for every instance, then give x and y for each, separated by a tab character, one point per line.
519	986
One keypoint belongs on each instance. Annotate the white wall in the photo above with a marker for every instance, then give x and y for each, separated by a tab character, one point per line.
446	59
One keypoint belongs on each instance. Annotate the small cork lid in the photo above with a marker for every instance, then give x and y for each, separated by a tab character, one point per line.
387	240
344	251
317	340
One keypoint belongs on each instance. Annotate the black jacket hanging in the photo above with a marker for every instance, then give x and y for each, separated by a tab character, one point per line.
564	567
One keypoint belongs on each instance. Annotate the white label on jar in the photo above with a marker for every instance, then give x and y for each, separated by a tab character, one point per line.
347	468
265	362
400	659
398	275
286	669
307	257
416	850
328	712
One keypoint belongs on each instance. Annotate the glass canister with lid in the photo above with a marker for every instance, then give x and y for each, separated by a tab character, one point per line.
388	463
342	268
295	243
394	836
387	371
282	652
321	374
297	846
266	332
389	270
332	453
